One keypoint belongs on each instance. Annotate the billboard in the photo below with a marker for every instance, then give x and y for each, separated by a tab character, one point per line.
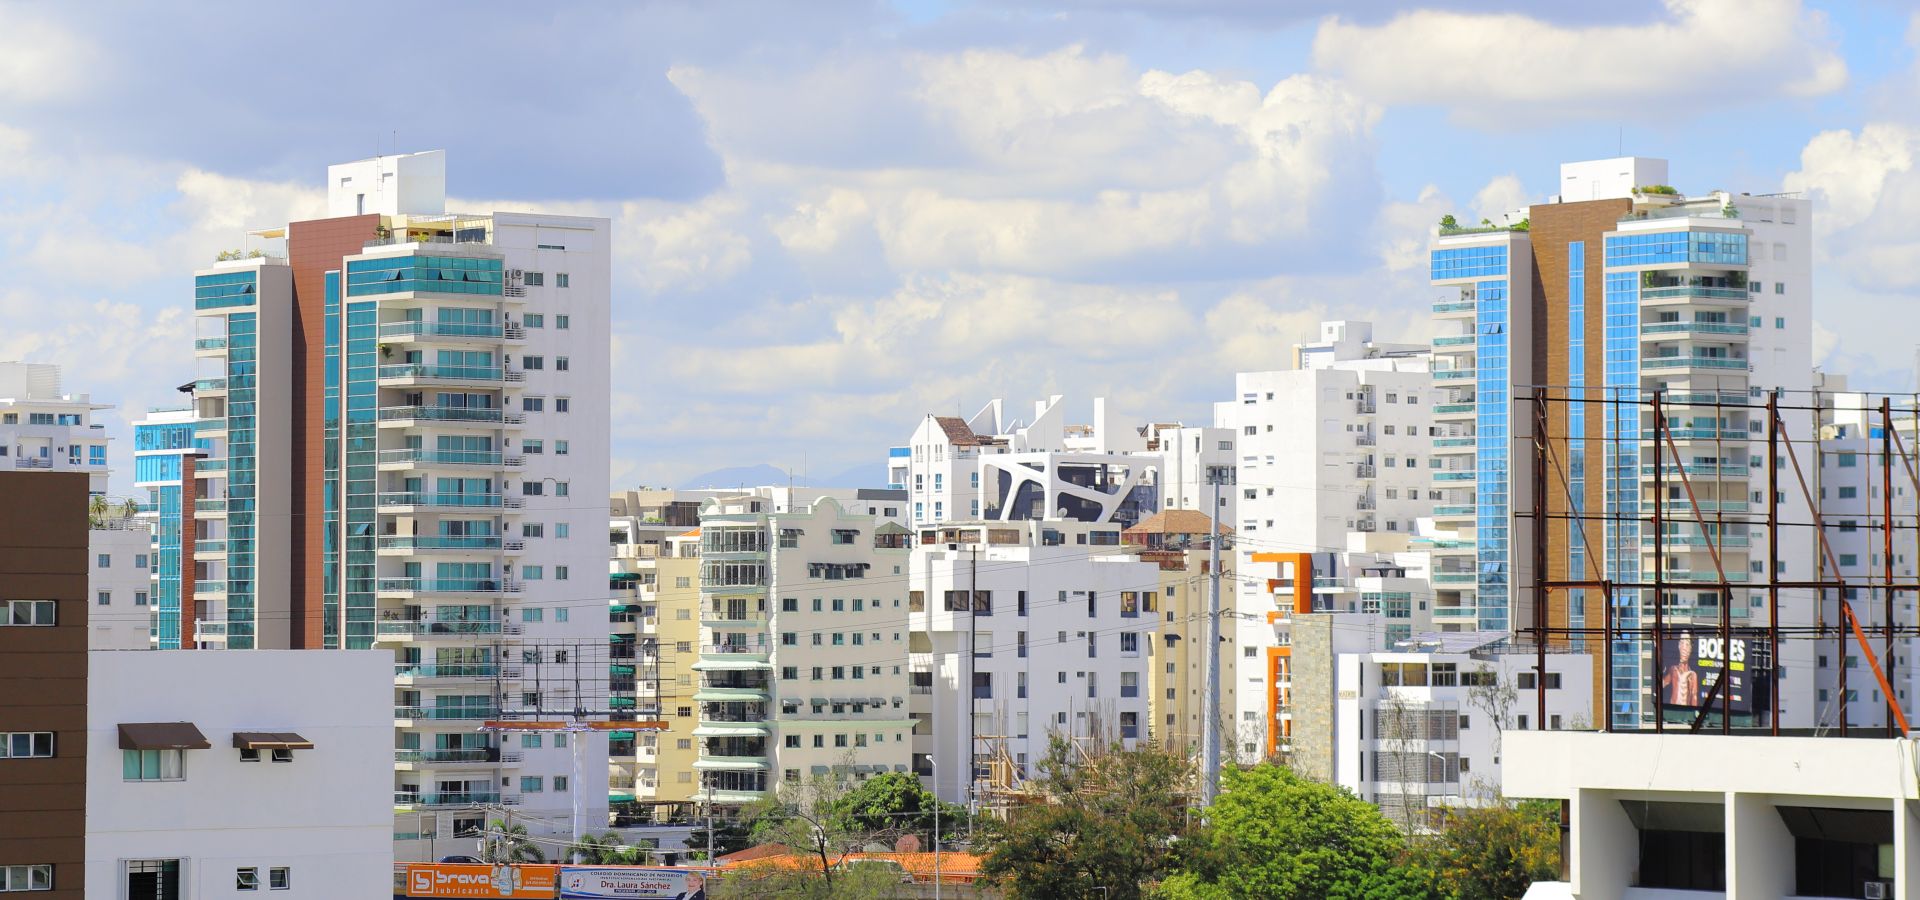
1691	663
631	883
479	880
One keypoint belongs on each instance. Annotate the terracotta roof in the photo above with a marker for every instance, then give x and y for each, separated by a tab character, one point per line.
959	433
1178	521
693	533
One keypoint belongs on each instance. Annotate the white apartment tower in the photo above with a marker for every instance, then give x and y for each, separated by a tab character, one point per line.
803	645
400	440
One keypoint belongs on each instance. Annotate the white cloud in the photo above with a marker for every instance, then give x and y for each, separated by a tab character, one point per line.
39	61
667	246
1512	71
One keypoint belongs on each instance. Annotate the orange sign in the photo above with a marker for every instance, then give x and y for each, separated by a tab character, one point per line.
501	881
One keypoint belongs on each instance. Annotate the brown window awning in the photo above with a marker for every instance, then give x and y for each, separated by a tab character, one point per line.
270	740
162	736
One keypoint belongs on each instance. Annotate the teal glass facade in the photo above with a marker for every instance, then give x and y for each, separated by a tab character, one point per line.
1664	248
439	274
359	468
1576	422
225	290
330	479
243	467
1493	352
1621	428
162	472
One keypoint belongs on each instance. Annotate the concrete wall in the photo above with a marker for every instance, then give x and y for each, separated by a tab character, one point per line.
326	815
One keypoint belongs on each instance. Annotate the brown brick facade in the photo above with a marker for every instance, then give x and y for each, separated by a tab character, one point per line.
43	675
313	248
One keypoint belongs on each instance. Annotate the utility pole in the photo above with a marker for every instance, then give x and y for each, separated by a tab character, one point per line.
1210	734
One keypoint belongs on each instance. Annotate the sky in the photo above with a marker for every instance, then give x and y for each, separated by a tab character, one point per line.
832	218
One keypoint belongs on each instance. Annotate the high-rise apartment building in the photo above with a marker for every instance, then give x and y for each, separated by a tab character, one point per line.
1335	447
802	668
1620	289
655	582
399	440
42	429
1178	541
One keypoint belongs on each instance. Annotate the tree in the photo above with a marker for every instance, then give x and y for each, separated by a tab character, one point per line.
811	819
504	844
1495	852
1448	221
1495	698
1106	827
777	879
607	850
897	802
1276	835
97	510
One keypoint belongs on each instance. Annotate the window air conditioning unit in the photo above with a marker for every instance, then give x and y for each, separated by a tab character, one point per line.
1878	890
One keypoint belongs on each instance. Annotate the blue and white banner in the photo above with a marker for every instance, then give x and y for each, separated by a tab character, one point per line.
632	883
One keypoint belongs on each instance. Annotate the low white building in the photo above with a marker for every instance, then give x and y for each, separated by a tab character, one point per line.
43	429
1418	725
120	584
1021	630
214	774
1704	815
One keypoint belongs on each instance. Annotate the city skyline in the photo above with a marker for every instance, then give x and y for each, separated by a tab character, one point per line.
862	214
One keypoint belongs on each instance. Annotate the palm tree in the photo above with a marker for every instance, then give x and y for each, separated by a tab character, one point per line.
130	509
97	510
506	844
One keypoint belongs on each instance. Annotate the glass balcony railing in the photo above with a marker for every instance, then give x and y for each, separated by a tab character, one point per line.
404	627
441	329
1693	292
1656	363
488	458
445	798
485	542
451	670
467	755
212	343
446	713
441	413
446	585
459	501
1693	328
442	373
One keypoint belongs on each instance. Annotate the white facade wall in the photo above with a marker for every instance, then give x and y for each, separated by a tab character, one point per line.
1189	453
402	183
1313	448
1463	726
1075	663
121	617
325	815
42	429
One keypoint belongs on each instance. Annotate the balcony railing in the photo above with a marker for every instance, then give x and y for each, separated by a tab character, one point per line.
440	542
212	343
1654	363
454	713
219	546
441	373
1693	292
32	462
440	413
440	329
427	626
210	384
458	670
1453	375
488	458
1454	509
1694	328
1454	340
448	585
1446	408
461	798
457	500
471	755
1453	306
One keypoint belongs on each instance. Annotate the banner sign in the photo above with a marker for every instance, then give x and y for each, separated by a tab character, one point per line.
632	883
469	880
1690	664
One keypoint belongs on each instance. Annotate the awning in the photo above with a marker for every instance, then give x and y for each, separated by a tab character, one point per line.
619	797
162	736
270	740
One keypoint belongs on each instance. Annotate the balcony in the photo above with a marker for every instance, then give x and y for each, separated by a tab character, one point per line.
1453	510
1363	407
436	500
1454	340
210	631
210	386
1453	375
1683	293
409	374
414	458
1655	330
1453	409
209	344
210	548
1680	507
1700	433
1456	612
210	587
1363	470
1453	307
445	713
458	331
32	462
1705	470
1668	363
461	798
415	671
484	756
208	505
418	629
743	651
413	416
447	586
1453	578
440	543
1455	476
732	618
1453	441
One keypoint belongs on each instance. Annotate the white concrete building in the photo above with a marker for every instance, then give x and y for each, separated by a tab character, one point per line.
992	467
241	782
802	662
1704	815
43	429
121	584
1414	726
1191	453
1338	446
1022	630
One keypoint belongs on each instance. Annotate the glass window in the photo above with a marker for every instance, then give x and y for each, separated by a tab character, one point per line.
247	879
153	765
560	279
280	878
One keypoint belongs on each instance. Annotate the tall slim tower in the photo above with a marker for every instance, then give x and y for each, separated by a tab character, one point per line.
399	439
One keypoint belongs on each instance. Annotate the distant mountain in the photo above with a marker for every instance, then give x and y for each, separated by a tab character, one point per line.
871	475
